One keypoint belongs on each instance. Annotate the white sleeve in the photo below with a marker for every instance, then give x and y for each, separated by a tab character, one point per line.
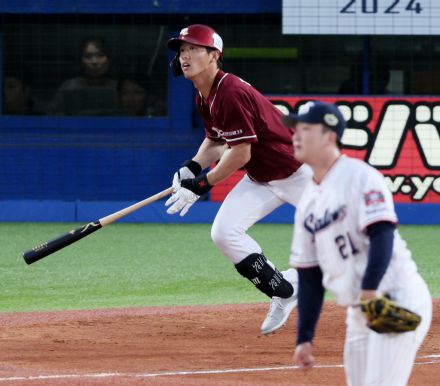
374	199
303	251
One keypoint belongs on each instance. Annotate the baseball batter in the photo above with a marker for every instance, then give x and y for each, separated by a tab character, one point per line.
346	241
243	129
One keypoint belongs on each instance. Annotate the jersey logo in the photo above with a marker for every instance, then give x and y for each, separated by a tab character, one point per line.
374	197
315	225
218	131
222	134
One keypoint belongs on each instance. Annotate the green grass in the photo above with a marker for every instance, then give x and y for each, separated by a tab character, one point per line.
150	264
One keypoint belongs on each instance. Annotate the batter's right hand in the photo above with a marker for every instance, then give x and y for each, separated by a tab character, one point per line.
181	201
189	169
303	356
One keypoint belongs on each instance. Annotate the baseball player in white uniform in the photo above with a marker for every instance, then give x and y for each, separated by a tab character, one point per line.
242	130
346	241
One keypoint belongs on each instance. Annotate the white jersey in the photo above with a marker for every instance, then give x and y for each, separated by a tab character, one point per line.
330	224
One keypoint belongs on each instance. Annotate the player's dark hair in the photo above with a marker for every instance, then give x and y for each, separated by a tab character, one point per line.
219	60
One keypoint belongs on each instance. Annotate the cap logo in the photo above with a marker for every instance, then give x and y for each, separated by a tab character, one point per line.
184	31
331	119
305	108
218	42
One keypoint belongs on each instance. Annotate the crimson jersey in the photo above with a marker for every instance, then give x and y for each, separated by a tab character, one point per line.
235	112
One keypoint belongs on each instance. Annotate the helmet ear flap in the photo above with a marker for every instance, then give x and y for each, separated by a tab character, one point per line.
175	66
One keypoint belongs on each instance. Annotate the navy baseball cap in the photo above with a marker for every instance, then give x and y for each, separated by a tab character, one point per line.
319	112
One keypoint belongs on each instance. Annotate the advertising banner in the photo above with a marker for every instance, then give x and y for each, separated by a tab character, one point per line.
398	136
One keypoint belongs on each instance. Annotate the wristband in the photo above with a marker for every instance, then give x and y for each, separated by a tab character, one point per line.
198	185
193	166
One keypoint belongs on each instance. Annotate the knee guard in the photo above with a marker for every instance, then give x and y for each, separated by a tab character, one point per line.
264	276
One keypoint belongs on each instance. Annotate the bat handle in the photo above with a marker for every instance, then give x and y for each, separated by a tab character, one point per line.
132	208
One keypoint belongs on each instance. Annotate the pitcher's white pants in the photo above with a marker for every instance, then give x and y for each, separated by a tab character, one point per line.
247	203
373	359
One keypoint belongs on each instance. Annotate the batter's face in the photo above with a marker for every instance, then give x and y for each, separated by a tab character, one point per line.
196	60
310	142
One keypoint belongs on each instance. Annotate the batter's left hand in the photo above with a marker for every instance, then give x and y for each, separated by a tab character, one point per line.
198	185
182	200
303	356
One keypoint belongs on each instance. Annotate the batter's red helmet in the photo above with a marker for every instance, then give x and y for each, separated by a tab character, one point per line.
198	34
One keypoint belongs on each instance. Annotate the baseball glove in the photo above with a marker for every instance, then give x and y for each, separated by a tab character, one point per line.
385	316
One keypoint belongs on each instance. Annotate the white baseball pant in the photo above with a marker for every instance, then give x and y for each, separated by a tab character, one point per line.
247	203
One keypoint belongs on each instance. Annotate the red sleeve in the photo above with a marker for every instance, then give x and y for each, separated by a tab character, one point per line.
236	115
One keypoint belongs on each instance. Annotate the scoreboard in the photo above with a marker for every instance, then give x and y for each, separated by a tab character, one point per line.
361	17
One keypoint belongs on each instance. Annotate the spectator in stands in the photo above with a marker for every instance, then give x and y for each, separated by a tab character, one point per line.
135	98
17	98
132	97
93	92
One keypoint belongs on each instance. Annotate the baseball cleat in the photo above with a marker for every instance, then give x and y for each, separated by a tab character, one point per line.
279	311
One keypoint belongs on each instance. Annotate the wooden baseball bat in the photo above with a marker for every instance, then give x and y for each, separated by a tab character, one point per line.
51	246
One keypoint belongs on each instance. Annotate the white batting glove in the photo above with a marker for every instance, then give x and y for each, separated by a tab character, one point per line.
182	200
189	169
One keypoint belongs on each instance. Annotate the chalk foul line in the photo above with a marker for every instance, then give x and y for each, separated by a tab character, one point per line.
435	360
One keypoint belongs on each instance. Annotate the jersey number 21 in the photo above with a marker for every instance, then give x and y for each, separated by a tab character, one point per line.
344	242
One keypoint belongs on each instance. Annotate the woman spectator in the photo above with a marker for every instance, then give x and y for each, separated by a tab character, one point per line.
93	92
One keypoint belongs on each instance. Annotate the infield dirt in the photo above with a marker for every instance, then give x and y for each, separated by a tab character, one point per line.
139	346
